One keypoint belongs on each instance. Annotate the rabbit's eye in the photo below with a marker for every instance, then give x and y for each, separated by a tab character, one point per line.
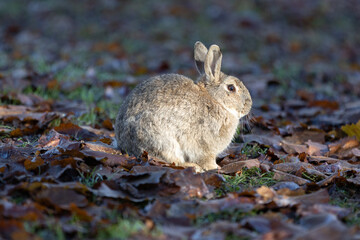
231	88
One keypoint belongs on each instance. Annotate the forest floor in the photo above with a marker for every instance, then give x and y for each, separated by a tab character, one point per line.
292	172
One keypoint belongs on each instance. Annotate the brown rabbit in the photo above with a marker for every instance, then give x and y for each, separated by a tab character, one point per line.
183	121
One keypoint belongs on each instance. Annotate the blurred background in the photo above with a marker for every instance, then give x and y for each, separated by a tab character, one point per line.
290	54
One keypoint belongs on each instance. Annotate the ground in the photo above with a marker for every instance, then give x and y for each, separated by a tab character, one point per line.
292	170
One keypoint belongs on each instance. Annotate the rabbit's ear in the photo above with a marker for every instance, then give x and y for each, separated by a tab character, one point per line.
200	52
212	64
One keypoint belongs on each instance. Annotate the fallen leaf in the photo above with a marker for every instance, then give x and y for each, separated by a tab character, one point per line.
281	176
11	113
34	163
52	139
321	196
75	131
237	166
352	130
60	197
269	140
108	124
323	227
343	145
266	193
324	104
315	148
293	148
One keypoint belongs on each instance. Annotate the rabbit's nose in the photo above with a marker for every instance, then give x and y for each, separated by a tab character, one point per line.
247	105
248	101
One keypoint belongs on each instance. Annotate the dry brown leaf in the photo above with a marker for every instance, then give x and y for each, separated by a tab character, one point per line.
304	135
281	176
327	180
343	145
34	163
266	193
291	167
12	113
52	139
269	140
60	197
324	104
237	166
323	227
75	131
315	148
320	159
321	196
293	148
108	124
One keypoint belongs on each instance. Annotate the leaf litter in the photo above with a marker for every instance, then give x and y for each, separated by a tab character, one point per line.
294	175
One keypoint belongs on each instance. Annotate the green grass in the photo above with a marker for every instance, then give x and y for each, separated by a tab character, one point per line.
287	75
312	178
19	198
108	108
27	141
235	215
123	229
47	94
347	198
72	72
91	178
6	126
246	180
88	95
89	118
233	237
51	230
95	115
253	150
55	123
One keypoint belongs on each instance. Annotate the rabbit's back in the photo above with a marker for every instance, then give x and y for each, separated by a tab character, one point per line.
161	94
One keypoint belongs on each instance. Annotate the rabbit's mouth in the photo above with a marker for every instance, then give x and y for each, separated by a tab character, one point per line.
247	107
239	114
236	113
233	112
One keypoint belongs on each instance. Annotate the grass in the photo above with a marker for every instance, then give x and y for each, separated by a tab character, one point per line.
96	114
89	118
253	150
6	126
27	141
312	178
92	96
247	179
347	198
91	178
288	78
55	123
45	93
19	198
108	108
122	229
232	216
51	230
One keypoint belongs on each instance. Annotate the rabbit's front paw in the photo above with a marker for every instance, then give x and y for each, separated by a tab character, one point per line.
196	167
210	166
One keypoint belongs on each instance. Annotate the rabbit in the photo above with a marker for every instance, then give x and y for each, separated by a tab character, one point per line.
183	121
